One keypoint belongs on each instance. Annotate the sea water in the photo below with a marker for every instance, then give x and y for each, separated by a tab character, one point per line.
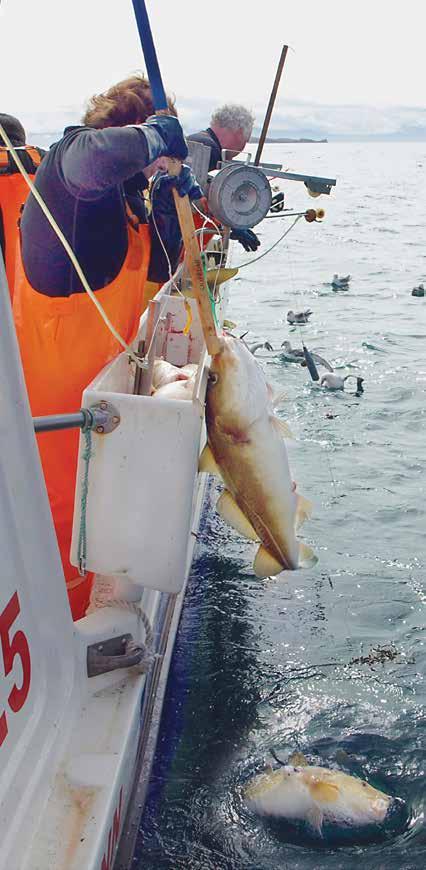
331	658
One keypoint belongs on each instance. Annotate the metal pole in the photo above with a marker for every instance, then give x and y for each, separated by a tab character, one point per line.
270	105
80	420
150	55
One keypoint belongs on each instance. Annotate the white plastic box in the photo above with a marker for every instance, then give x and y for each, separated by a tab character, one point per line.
142	475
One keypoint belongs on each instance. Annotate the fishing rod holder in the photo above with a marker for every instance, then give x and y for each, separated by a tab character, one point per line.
101	418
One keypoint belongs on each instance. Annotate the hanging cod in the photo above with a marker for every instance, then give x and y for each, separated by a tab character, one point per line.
246	449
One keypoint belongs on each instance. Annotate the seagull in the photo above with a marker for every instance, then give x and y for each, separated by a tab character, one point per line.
254	347
418	291
335	382
295	354
340	283
298	316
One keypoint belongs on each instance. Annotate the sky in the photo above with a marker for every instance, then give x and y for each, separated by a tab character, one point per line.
353	67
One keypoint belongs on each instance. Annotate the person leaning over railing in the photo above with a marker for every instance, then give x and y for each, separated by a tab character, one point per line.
230	129
93	181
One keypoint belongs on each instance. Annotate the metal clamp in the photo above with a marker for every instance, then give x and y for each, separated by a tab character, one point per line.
105	417
113	653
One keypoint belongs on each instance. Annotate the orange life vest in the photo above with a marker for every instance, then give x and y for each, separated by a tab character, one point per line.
64	343
13	193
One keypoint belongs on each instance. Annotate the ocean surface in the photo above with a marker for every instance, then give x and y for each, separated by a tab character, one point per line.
330	660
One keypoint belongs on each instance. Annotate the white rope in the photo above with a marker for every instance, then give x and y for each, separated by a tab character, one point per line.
133	607
69	250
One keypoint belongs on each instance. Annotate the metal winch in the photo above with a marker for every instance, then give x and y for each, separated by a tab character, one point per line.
239	195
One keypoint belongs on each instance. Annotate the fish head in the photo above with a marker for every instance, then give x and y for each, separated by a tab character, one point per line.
237	390
365	803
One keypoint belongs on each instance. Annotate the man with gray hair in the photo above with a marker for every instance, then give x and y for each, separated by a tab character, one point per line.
230	129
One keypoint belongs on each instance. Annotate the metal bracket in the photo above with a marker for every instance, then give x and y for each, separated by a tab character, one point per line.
106	418
113	653
316	183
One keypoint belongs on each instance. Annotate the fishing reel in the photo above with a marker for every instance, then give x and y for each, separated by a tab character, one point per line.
239	195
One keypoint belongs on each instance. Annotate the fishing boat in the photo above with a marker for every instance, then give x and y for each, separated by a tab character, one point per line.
80	702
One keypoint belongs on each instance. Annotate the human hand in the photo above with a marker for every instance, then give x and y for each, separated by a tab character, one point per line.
185	184
247	238
164	136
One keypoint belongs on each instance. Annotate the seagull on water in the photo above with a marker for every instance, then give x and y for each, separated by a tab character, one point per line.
297	355
298	316
336	382
340	282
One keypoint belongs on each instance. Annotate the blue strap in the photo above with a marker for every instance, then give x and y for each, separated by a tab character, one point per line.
150	55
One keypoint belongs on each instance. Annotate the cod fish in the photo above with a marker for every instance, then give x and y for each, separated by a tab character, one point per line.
246	448
165	373
317	795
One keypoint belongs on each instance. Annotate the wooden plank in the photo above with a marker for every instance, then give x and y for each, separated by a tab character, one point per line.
195	268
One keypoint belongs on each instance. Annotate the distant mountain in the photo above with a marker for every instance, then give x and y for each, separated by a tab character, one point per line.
271	140
293	121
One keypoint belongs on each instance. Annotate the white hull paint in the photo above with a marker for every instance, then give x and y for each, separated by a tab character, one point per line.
75	751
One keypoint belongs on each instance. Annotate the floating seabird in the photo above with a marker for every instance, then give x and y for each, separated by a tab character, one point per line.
254	347
340	282
418	291
297	355
336	382
298	316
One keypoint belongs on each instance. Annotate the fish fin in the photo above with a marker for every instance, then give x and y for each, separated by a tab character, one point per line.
307	557
208	463
324	791
281	427
219	276
304	509
228	509
315	819
278	399
266	565
297	759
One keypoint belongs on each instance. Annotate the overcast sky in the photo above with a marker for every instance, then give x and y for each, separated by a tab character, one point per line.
369	53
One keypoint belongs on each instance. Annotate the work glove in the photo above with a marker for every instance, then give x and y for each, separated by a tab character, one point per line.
164	137
247	238
277	202
185	184
164	222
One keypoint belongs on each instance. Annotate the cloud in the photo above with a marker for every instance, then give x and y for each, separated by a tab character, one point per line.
293	119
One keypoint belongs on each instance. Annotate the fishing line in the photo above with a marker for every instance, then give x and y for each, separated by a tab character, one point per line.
249	262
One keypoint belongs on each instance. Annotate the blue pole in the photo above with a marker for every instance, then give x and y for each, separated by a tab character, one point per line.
150	55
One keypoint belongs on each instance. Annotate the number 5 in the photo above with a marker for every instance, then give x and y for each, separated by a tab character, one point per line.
17	646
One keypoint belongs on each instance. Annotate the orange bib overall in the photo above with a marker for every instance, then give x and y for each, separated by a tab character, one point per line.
13	193
64	343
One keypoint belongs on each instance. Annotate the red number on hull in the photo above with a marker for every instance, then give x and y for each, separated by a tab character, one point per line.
12	648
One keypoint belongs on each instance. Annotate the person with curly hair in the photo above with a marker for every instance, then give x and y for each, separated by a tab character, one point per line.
93	180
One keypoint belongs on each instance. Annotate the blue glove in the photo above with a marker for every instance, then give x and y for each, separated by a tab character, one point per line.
185	184
277	202
247	238
164	137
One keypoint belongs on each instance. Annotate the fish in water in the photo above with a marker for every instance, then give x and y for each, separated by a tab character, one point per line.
246	448
298	316
317	796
